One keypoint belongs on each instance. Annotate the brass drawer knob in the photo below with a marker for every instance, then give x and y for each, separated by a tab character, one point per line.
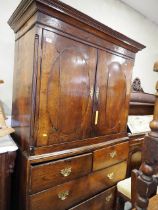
66	171
63	195
111	175
108	198
113	154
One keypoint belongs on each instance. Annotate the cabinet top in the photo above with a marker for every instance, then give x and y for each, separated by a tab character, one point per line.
27	8
7	144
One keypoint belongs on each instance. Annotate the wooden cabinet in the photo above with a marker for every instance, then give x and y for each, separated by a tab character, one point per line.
72	79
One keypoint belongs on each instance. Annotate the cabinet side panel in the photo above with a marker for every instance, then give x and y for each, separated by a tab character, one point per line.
22	88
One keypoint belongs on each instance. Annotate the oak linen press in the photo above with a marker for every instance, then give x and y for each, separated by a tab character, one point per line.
72	80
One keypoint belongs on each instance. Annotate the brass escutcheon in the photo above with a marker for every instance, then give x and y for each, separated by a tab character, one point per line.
108	198
111	175
113	154
63	195
97	93
91	92
66	171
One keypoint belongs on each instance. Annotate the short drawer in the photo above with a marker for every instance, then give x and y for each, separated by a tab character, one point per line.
47	175
72	193
102	201
110	155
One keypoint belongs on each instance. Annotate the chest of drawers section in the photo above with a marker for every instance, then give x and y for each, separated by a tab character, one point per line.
62	184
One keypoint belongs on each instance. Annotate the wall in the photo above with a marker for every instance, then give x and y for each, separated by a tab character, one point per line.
126	20
6	52
113	13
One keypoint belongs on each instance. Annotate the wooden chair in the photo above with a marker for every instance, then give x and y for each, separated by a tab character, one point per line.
124	186
126	191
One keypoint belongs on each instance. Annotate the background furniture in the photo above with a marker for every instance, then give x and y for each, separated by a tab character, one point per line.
7	157
72	80
141	110
141	105
146	180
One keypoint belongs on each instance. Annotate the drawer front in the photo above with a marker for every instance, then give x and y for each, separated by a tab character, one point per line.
102	201
71	193
110	155
47	175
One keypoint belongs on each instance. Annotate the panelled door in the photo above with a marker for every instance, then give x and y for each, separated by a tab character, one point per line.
111	94
68	70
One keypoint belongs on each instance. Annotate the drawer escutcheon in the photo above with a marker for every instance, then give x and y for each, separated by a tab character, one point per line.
91	92
113	154
63	195
66	171
108	198
111	175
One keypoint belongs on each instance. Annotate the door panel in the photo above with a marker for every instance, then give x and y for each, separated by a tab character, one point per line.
67	84
111	93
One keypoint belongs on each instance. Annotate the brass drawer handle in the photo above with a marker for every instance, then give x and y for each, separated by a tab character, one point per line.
63	195
108	198
66	171
113	154
111	175
96	117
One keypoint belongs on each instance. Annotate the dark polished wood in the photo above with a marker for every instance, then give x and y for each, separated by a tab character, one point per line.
71	93
69	194
6	169
53	173
141	103
110	155
102	201
95	72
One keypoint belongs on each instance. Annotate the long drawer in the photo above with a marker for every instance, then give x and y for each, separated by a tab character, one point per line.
108	156
102	201
44	176
71	193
